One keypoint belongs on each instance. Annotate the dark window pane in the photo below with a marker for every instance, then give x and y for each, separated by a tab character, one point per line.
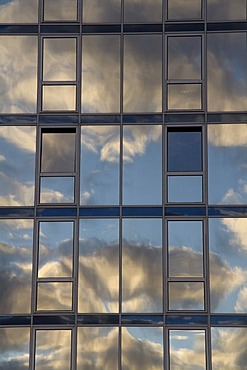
184	9
142	11
226	9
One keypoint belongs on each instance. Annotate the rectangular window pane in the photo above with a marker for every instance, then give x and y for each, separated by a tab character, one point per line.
14	350
57	190
59	98
184	96
191	186
144	11
142	265
180	9
226	10
16	11
60	10
186	295
98	11
56	296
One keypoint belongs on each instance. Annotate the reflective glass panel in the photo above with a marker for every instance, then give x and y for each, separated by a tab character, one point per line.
184	96
53	349
14	348
18	72
98	265
54	296
59	59
142	82
143	11
58	152
142	265
185	248
184	58
180	9
228	261
17	165
57	190
187	349
99	165
18	11
186	295
97	348
226	9
184	150
16	265
227	72
142	154
60	10
142	348
184	189
227	151
59	97
98	11
229	348
55	249
100	73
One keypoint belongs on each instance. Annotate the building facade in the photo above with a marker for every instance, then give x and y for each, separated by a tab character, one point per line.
123	184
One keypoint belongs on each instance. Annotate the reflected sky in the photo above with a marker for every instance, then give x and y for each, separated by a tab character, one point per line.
186	295
228	272
180	9
59	98
226	9
19	11
142	11
98	11
14	348
60	10
57	190
54	296
16	248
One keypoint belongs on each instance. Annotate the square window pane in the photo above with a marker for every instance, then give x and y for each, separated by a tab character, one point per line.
57	190
55	296
186	296
184	96
59	98
60	10
184	189
181	9
59	59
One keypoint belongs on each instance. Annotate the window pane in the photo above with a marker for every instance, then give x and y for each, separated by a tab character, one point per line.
184	96
97	348
18	73
60	10
187	349
59	97
142	348
184	58
14	349
17	165
227	151
98	266
16	266
185	248
57	190
184	150
55	249
16	11
227	72
180	9
59	57
226	9
58	151
191	186
142	73
55	296
100	74
142	265
186	295
142	154
100	165
98	11
144	11
228	261
53	349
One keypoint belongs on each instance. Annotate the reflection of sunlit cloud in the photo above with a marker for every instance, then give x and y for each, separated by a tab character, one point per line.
18	193
19	11
241	303
227	135
237	227
14	348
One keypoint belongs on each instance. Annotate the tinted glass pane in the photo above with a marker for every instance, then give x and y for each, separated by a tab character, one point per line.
228	261
57	190
227	72
54	296
58	152
97	11
100	74
142	348
60	10
97	348
59	98
18	73
55	249
14	349
187	349
142	265
184	96
186	189
226	9
100	165
144	11
53	349
19	11
98	265
185	248
59	59
142	154
180	9
184	150
184	58
142	73
16	238
227	151
186	295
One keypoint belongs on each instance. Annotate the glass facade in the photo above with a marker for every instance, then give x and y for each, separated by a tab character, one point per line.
123	187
